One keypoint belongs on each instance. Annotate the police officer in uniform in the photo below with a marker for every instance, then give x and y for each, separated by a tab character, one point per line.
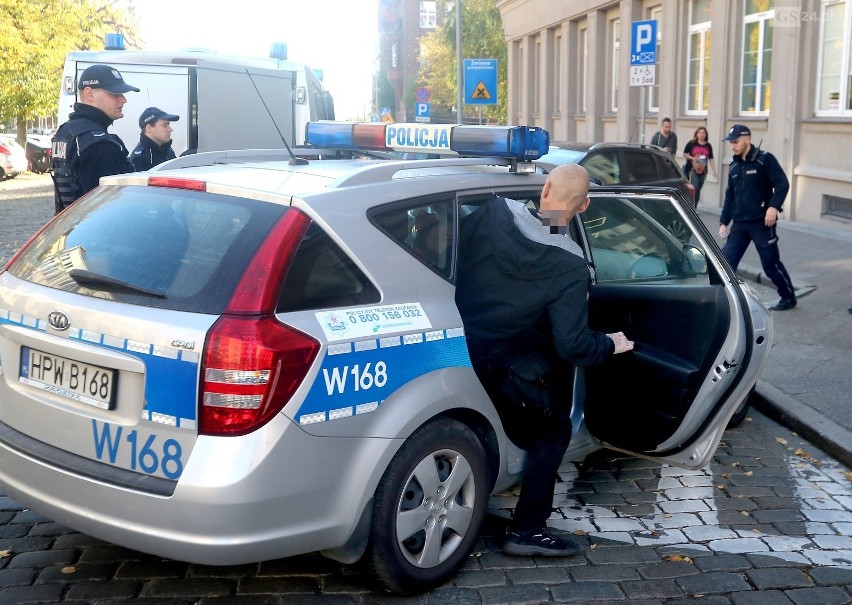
155	141
83	150
755	193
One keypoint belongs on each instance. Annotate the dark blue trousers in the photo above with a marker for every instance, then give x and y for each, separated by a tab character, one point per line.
766	243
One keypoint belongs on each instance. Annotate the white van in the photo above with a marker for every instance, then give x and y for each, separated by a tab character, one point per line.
224	102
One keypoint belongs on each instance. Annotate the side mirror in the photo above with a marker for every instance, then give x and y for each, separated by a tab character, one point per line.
694	260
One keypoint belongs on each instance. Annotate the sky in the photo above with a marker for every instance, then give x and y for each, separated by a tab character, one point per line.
337	36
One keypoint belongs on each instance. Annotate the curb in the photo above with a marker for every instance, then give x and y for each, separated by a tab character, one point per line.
823	432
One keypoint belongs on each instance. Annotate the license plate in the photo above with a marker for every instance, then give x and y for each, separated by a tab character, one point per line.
81	382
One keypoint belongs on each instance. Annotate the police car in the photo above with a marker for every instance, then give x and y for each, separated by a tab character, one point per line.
239	356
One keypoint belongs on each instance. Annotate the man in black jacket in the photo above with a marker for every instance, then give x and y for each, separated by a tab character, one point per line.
155	141
83	151
754	196
522	291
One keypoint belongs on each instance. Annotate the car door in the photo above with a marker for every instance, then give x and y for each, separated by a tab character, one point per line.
681	304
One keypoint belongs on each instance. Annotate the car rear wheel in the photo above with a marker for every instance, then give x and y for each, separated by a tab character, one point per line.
428	508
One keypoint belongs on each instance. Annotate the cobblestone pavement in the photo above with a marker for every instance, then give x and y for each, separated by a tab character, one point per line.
767	522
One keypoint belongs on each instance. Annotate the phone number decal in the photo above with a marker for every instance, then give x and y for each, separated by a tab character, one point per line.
343	324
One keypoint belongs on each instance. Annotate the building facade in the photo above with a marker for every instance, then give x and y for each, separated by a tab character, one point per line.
784	71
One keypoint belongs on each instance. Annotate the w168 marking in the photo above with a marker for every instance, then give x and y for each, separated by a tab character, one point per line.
146	456
337	379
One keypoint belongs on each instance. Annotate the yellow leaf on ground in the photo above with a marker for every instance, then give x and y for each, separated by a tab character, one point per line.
68	569
749	473
781	440
744	513
579	532
6	553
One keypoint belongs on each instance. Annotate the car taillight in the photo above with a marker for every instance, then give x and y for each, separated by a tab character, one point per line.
4	149
251	368
252	363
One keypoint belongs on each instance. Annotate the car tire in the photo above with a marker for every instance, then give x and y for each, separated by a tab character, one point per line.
742	411
428	508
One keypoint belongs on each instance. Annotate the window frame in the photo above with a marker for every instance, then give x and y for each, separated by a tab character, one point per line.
615	46
844	86
702	86
762	19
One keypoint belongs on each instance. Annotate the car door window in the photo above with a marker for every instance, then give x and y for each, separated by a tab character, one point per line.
424	229
603	166
639	167
627	244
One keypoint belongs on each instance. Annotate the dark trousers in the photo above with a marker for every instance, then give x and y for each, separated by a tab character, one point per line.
545	439
766	243
697	181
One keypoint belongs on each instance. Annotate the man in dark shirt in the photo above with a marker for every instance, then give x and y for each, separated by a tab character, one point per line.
665	137
83	151
754	197
522	292
155	141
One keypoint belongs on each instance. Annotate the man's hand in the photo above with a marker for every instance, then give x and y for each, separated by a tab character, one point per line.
622	345
771	216
723	231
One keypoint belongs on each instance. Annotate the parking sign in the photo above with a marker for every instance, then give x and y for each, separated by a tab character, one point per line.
643	53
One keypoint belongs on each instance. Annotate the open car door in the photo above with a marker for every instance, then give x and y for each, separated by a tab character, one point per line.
700	337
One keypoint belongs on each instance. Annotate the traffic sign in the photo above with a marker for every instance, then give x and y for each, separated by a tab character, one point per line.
480	81
422	111
643	42
423	94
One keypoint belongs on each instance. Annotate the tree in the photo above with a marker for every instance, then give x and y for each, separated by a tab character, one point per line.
35	36
482	38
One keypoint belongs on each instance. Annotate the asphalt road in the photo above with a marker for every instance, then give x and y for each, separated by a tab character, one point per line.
767	522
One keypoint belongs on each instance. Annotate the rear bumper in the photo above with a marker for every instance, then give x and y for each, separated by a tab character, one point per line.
234	503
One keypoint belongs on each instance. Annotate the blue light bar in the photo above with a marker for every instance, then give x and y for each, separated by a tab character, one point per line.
524	143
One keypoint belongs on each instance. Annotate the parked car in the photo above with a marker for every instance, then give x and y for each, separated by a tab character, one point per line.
239	356
627	164
13	158
39	153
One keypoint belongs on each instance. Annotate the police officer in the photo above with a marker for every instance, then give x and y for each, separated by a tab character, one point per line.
155	141
83	150
755	193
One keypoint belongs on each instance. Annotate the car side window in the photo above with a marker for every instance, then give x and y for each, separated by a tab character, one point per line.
424	229
322	276
628	245
603	165
639	167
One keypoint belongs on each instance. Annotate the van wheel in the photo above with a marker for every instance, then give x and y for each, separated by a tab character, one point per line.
742	411
428	508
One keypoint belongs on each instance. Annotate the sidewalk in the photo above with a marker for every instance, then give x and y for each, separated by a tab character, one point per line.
807	382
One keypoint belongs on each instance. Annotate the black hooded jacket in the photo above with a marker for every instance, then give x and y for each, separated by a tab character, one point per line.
148	153
754	183
516	295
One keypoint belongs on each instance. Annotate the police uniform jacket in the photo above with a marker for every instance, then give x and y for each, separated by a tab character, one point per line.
83	151
754	183
520	288
148	153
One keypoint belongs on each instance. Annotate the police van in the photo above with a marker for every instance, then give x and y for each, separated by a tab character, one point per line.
224	102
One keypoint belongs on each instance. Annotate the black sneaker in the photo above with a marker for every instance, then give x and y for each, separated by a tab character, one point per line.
539	542
784	304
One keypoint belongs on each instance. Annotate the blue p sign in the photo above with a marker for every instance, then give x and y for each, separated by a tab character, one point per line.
643	47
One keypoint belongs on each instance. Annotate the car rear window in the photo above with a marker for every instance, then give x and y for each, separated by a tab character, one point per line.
157	247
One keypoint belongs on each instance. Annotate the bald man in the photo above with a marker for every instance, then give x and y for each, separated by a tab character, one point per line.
522	292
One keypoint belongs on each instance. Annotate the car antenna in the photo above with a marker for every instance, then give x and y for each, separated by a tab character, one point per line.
293	159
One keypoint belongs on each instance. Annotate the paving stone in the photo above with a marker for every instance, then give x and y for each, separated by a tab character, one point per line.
738	545
705	533
7	504
676	520
829	516
18	577
668	569
615	524
275	585
829	576
788	543
527	594
691	493
111	552
480	578
221	571
767	597
684	506
43	558
149	570
168	588
583	592
77	572
778	559
604	573
733	504
624	555
830	557
834	542
19	595
16	530
538	575
722	563
611	538
658	537
659	483
651	589
818	596
90	591
712	583
302	599
449	596
779	578
706	600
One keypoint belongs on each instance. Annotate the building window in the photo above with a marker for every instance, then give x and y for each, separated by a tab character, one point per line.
834	95
428	14
656	14
757	56
698	64
583	53
615	33
837	206
557	74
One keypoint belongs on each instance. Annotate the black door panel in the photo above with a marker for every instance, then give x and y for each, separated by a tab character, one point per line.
637	400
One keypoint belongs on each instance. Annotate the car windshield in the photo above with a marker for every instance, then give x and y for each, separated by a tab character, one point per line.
158	247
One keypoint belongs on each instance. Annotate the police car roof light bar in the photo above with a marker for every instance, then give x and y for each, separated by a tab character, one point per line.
520	143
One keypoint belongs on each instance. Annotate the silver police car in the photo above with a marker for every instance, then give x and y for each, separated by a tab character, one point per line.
239	356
